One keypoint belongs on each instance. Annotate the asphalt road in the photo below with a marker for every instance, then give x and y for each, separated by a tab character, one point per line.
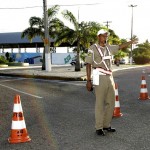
59	115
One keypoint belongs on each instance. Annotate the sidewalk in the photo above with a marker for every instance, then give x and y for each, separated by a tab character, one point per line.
66	72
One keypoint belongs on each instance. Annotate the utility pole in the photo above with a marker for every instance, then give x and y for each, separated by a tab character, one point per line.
46	38
107	23
132	6
78	14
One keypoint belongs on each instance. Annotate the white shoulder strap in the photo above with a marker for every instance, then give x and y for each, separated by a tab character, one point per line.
103	56
99	50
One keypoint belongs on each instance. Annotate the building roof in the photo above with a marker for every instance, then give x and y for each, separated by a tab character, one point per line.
14	40
15	37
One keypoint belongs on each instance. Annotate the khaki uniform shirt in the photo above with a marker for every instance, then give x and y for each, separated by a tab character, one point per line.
94	58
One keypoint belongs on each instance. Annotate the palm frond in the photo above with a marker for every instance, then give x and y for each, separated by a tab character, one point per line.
53	11
70	17
66	36
36	21
30	33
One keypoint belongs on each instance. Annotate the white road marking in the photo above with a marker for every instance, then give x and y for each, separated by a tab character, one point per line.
75	83
20	91
12	80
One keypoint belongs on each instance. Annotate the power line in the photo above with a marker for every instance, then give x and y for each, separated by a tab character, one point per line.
50	5
23	7
81	4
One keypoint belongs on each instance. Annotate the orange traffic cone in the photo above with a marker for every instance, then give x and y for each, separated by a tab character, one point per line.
143	91
18	128
117	112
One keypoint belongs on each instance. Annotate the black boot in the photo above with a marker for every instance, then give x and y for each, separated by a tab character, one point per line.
110	129
100	132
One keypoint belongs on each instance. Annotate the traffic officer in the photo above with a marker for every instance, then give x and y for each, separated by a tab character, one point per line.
99	66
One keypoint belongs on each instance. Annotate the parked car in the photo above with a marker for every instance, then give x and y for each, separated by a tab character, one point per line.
73	62
122	61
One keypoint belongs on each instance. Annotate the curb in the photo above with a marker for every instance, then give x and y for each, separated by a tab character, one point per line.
46	77
3	66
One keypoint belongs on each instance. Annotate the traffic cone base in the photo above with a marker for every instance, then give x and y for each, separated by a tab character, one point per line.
143	97
19	136
117	112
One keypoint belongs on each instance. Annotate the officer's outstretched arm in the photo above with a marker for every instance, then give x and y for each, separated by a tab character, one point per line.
125	45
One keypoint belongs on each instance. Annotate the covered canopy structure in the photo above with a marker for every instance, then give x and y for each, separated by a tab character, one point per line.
13	40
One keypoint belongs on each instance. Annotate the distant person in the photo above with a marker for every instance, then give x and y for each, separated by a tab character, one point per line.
99	59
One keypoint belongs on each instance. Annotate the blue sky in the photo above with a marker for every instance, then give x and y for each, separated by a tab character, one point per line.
14	14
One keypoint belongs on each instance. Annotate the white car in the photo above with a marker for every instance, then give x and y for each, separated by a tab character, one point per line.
122	61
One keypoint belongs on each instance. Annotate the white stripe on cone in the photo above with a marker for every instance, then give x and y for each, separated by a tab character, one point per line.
18	125
116	92
144	90
17	108
117	104
143	82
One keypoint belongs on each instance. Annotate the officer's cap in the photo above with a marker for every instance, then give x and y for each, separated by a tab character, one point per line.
102	31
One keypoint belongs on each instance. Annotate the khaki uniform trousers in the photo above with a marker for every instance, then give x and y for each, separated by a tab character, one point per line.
105	101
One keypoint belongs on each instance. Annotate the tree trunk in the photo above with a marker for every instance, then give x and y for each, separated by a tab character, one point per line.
43	61
77	66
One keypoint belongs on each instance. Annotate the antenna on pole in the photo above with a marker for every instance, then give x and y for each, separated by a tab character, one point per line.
107	23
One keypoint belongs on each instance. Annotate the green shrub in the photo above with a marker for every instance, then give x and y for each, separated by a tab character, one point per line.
11	59
141	59
3	60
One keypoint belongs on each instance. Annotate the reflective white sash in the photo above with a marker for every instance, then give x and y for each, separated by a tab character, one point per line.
103	56
104	71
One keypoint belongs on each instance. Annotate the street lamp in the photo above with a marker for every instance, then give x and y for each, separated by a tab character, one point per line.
132	6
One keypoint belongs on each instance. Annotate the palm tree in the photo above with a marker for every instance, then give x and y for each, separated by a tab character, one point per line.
113	38
81	35
36	28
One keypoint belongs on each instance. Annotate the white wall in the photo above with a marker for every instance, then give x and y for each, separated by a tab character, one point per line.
38	60
59	58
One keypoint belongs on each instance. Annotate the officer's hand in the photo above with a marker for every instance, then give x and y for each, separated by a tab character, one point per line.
89	86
